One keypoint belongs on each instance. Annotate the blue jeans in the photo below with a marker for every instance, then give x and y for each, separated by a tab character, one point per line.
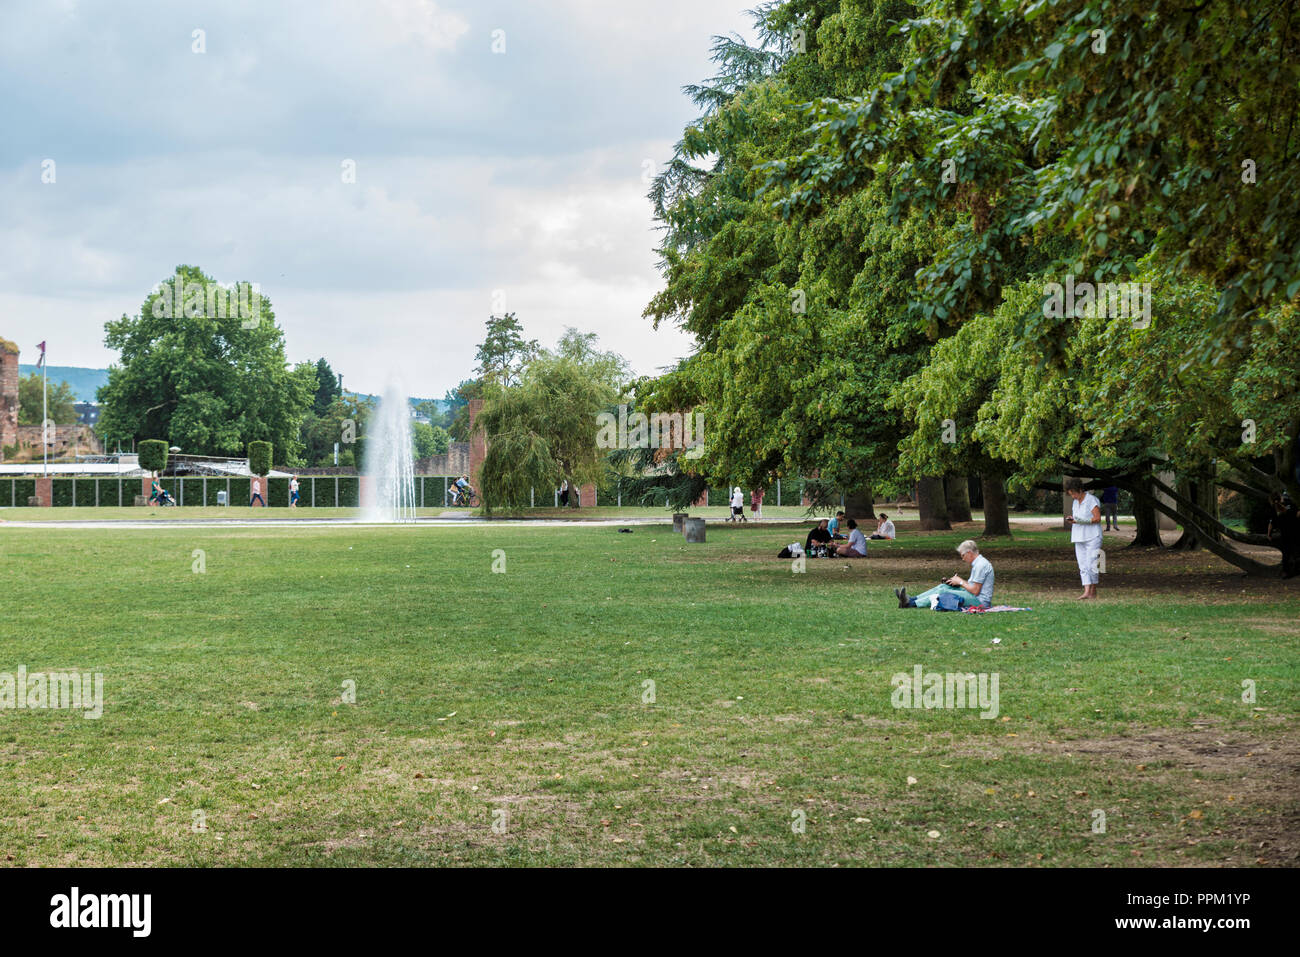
923	600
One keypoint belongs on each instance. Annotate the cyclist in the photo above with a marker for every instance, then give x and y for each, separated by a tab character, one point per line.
461	490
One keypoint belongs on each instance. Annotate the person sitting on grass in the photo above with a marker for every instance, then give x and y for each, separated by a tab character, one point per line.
819	535
857	546
835	525
975	590
884	528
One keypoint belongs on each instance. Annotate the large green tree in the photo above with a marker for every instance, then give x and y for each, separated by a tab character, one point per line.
543	430
504	352
203	375
59	406
328	388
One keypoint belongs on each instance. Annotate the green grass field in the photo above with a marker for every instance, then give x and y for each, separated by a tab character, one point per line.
771	738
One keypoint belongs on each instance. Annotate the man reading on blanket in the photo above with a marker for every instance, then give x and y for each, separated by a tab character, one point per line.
975	590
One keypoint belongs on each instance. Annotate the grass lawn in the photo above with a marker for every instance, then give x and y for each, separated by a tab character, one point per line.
524	692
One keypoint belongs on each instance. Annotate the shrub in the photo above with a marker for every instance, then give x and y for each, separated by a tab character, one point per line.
153	455
259	457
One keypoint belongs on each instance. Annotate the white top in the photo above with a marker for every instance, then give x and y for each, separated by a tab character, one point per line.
858	541
981	573
887	529
257	487
1082	511
737	499
293	485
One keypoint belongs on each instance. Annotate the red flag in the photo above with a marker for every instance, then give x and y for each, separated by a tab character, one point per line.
41	361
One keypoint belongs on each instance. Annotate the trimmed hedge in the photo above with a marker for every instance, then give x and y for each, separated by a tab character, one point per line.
349	492
153	455
277	492
61	492
259	457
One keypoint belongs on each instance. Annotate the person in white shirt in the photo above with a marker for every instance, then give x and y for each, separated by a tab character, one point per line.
857	546
885	528
975	590
293	492
1085	532
737	505
257	493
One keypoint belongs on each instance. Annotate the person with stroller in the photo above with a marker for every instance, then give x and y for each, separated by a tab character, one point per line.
737	505
159	495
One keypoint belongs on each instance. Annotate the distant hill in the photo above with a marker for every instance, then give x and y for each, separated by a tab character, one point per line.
442	405
84	381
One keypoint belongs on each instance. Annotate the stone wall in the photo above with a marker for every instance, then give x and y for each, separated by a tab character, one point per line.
8	395
69	440
455	461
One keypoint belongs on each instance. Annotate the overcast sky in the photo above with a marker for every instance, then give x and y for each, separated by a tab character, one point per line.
484	179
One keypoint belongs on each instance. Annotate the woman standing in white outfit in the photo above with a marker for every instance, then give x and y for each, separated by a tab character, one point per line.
1085	532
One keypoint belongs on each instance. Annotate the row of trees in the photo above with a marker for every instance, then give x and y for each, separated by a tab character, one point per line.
863	227
214	379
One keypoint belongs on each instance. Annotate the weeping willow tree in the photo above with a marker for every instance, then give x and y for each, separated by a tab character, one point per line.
543	430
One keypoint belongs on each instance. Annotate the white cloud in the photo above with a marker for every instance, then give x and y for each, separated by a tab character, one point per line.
474	171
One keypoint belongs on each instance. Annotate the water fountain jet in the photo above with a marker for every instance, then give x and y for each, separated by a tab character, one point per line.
389	461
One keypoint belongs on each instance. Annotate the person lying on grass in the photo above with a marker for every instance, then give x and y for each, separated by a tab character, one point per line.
819	535
857	546
975	590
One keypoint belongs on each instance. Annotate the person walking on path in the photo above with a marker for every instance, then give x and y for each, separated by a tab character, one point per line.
756	504
293	492
1110	508
257	493
564	493
737	505
1085	532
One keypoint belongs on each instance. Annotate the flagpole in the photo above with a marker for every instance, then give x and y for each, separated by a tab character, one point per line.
45	414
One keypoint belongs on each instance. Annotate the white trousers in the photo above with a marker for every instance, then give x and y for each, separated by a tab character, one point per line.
1087	553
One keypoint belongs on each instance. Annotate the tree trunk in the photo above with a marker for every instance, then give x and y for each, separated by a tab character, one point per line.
1144	514
858	504
1199	488
996	519
956	493
1185	512
932	505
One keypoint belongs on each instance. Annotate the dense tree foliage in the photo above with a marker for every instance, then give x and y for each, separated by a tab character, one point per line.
59	404
208	380
867	260
542	430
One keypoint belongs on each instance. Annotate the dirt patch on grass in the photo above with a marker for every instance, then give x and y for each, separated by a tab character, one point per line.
1259	776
